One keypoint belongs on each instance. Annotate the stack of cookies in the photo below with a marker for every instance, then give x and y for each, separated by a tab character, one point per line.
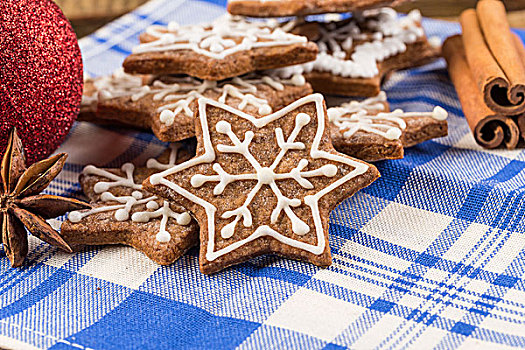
263	175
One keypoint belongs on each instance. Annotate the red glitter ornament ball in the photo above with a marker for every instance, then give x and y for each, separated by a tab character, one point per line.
40	75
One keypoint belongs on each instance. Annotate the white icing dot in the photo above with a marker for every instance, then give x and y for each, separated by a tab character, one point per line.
89	169
298	80
101	187
121	215
265	109
329	170
393	134
140	217
299	227
75	216
152	205
167	117
302	119
228	230
163	237
128	167
184	219
106	197
197	180
151	163
439	113
137	194
223	127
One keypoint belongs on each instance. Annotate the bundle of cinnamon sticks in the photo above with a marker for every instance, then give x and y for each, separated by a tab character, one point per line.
487	66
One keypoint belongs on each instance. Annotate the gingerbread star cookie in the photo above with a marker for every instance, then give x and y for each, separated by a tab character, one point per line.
285	8
166	104
263	185
356	54
119	84
124	213
226	48
369	131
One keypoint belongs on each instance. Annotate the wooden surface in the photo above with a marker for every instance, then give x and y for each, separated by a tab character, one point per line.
451	9
88	15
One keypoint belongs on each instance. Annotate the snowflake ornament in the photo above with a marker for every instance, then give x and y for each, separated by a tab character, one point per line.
263	184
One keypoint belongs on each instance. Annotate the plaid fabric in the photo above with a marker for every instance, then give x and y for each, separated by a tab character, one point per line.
429	256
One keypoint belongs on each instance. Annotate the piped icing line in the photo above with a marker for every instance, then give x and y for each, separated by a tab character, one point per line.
126	204
153	163
356	116
265	176
179	95
389	36
225	36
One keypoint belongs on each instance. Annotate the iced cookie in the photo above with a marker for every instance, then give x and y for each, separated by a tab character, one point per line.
263	185
124	213
356	54
285	8
166	105
369	131
226	48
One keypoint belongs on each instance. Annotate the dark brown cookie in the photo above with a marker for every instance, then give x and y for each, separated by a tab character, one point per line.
166	105
356	54
285	8
263	185
368	131
124	213
227	48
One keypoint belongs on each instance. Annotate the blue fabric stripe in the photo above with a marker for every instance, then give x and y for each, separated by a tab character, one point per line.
144	321
177	307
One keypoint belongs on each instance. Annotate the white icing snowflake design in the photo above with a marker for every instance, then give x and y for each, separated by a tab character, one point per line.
178	95
265	176
356	116
225	36
386	36
128	203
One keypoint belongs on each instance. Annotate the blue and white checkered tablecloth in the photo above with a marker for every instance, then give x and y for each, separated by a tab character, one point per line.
432	255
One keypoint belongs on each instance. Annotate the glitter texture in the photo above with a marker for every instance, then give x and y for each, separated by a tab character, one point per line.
40	75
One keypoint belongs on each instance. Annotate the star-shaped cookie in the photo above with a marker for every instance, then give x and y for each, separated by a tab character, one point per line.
369	131
124	213
286	8
226	48
166	104
356	54
263	185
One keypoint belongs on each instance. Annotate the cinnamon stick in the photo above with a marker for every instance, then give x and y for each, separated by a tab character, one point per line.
495	57
521	50
491	130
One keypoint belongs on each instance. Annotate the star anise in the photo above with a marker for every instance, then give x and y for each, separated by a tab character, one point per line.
21	204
